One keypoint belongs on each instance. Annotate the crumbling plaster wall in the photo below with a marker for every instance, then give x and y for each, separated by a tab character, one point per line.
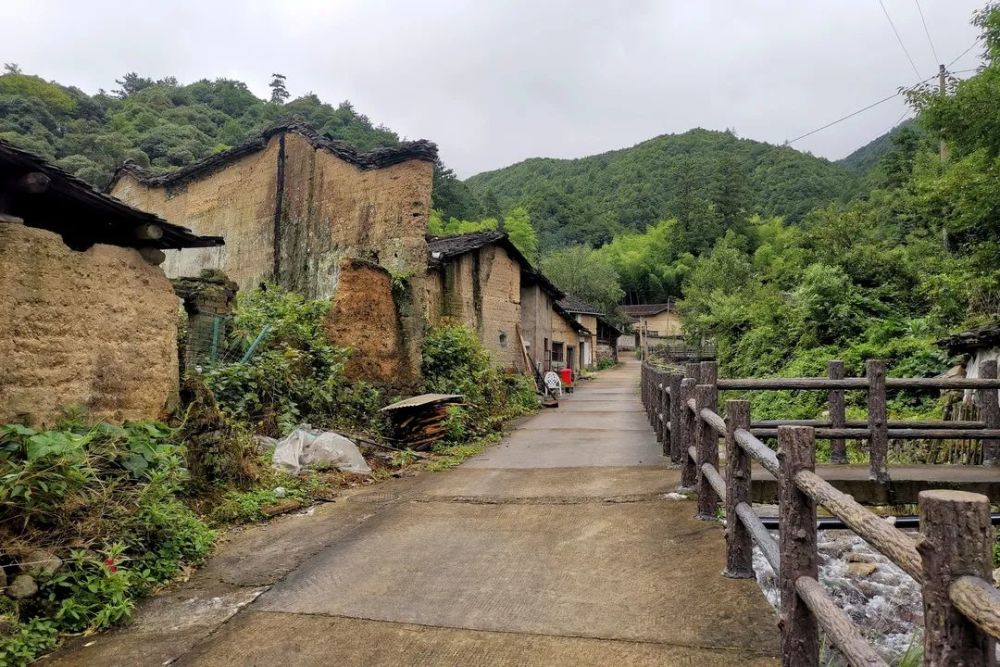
96	329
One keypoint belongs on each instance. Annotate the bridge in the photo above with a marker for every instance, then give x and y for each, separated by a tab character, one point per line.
565	544
950	558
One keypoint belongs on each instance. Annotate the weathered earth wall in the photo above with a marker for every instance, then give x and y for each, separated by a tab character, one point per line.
96	329
480	289
364	316
294	212
536	321
500	297
237	202
563	333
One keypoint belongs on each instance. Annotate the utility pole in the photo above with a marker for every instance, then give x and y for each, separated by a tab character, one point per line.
942	147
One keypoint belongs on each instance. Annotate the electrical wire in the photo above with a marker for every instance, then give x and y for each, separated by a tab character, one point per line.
898	38
927	32
971	46
862	110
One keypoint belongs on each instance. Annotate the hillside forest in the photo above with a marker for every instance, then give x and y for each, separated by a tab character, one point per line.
784	258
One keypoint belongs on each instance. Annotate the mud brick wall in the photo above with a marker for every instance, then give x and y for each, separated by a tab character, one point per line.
364	316
481	290
500	296
96	329
294	213
237	203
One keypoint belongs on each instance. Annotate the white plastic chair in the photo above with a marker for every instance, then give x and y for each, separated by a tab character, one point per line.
553	382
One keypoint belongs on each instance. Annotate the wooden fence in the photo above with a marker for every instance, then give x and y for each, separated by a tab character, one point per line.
951	557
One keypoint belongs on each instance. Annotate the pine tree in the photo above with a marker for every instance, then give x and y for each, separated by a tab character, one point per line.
278	91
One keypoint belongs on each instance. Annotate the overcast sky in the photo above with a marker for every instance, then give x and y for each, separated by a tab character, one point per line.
497	81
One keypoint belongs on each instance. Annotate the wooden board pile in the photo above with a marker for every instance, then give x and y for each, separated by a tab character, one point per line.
418	422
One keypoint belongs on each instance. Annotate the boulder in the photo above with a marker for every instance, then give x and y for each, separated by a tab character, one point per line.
23	586
861	569
41	563
856	557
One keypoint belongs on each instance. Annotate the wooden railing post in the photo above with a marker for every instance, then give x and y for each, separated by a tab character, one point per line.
739	547
675	418
878	442
708	452
689	474
956	541
989	412
693	370
797	545
661	411
838	417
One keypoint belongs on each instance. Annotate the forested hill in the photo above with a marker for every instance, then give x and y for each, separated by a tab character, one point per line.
160	124
868	156
693	176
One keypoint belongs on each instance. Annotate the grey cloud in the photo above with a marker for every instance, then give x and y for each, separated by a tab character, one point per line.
494	82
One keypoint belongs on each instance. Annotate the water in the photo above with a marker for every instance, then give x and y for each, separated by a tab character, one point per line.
885	605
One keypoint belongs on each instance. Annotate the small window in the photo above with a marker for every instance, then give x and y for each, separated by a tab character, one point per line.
557	353
503	339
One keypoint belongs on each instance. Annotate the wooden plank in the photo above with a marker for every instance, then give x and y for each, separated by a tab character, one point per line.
714	479
708	452
989	410
689	473
979	600
838	415
760	534
739	548
878	438
758	450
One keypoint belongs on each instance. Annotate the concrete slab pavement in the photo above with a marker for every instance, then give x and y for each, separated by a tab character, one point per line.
555	547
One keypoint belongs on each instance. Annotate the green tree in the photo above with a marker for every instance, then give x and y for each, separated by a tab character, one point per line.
279	93
582	272
517	224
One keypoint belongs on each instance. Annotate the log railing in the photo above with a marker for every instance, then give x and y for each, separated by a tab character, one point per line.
951	557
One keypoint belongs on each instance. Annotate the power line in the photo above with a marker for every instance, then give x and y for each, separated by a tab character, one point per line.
971	46
862	110
898	38
927	32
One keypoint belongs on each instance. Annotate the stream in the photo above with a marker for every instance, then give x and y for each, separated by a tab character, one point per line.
884	602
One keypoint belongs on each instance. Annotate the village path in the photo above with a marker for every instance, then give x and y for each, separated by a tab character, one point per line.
555	546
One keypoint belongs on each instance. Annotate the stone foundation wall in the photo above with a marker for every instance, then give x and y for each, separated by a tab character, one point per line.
96	329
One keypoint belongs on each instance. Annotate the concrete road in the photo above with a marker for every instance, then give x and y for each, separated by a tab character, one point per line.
554	547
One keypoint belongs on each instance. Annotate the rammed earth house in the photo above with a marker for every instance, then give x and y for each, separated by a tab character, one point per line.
87	316
483	281
315	216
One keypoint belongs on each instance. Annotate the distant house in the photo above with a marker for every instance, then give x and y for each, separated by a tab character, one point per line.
475	280
602	339
653	321
974	347
315	216
87	316
481	280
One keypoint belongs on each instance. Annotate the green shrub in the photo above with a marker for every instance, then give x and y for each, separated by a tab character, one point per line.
295	375
455	362
113	488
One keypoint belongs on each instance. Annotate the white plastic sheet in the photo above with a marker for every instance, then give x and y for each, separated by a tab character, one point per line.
321	449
